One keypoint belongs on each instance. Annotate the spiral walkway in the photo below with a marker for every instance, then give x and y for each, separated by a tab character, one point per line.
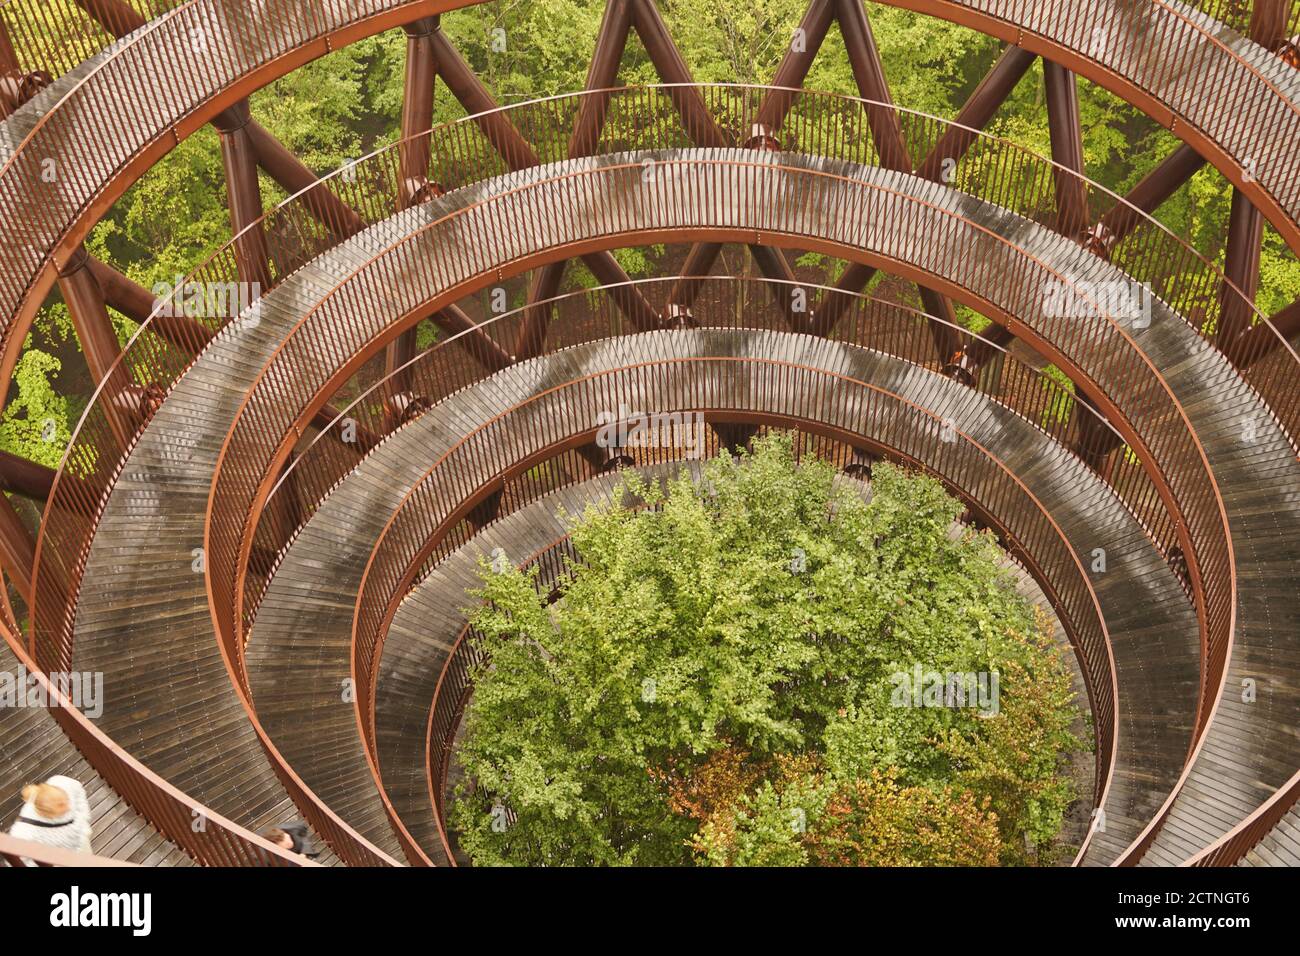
262	541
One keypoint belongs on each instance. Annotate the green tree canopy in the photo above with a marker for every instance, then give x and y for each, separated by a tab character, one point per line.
767	608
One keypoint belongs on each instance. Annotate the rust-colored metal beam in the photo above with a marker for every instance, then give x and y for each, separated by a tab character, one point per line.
22	477
795	64
1258	341
611	40
947	340
417	106
116	17
776	105
670	66
1067	149
8	57
976	112
1268	23
1150	192
244	197
1094	441
413	157
89	312
290	172
537	319
704	130
518	153
834	302
1240	268
453	320
1241	260
699	263
138	303
869	75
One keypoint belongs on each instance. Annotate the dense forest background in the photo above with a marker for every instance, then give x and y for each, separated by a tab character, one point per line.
347	104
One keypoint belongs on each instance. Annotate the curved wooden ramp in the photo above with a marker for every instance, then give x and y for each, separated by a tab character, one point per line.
35	748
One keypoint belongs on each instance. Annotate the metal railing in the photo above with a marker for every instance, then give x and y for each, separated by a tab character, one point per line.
1245	836
54	36
209	838
298	230
16	853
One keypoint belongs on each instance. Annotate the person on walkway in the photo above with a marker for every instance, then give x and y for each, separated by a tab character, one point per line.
55	813
294	837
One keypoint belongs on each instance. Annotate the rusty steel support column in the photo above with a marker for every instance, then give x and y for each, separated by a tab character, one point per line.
837	300
117	18
1268	23
794	67
22	477
1094	441
1240	268
1067	149
734	436
791	74
138	303
670	66
454	321
947	340
537	318
869	75
976	112
244	196
519	154
413	159
8	58
611	40
1152	190
288	170
98	338
978	109
17	549
1245	224
417	108
887	132
486	511
1258	341
474	96
704	131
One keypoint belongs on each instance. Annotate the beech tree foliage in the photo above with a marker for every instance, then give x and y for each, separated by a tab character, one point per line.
765	611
